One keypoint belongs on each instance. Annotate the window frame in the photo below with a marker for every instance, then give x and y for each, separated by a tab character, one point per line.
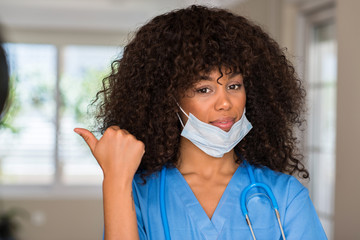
314	18
59	39
312	14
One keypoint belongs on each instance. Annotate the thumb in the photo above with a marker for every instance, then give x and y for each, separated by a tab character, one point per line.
89	138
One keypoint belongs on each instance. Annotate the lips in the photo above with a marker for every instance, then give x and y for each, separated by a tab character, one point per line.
224	123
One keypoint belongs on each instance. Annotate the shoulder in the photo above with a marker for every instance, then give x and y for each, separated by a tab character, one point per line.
145	182
296	209
283	185
276	178
148	187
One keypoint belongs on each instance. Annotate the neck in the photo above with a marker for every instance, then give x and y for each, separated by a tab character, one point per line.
194	160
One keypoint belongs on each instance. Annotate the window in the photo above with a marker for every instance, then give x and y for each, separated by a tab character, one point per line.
53	87
83	69
321	80
26	142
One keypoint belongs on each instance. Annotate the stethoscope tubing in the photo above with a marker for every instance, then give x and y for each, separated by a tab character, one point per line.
252	185
270	194
162	204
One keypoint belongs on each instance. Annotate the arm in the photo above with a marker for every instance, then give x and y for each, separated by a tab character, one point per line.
119	210
119	155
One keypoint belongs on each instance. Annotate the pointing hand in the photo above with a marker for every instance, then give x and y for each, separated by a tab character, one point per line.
118	152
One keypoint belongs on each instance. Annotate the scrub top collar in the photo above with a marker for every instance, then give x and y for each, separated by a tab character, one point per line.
210	228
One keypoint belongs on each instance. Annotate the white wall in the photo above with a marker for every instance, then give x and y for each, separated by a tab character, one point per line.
59	219
347	199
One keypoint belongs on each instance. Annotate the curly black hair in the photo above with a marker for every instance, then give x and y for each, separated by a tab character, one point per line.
4	79
167	56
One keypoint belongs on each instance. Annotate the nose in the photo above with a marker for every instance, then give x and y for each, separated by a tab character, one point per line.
223	101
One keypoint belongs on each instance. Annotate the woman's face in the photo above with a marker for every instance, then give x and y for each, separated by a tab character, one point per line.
217	102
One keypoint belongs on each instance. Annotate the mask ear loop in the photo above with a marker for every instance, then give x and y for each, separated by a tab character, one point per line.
182	124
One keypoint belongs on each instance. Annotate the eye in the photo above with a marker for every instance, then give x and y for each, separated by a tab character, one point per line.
203	90
235	86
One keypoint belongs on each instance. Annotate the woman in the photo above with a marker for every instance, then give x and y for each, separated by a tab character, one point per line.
173	112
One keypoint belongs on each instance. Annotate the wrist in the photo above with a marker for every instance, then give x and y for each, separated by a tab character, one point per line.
118	182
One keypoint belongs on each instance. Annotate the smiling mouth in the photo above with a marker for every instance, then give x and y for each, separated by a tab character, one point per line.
224	124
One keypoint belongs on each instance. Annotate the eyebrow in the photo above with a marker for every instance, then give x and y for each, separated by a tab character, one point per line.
234	74
205	77
208	78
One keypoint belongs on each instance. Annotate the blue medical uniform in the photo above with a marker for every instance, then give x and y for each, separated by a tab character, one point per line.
188	220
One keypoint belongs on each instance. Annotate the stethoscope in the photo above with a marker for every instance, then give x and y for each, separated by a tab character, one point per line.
253	184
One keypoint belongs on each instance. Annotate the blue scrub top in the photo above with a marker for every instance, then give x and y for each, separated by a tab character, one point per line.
188	220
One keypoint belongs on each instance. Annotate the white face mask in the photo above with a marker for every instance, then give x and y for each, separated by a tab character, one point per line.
211	139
